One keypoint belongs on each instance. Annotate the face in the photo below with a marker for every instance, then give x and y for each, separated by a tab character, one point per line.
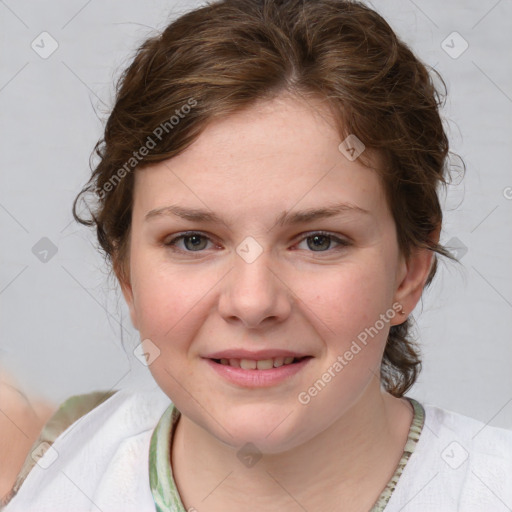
258	279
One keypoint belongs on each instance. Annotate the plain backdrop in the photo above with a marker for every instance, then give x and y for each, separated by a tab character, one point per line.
62	319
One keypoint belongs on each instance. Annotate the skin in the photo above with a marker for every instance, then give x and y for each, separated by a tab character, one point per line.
21	421
344	445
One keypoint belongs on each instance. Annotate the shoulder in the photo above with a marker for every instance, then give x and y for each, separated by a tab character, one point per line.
474	436
459	463
70	411
21	420
87	429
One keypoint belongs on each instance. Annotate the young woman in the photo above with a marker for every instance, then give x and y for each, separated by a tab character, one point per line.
267	195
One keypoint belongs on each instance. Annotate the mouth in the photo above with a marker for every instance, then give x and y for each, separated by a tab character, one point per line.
260	364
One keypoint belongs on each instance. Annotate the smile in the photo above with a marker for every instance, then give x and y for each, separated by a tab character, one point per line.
261	364
261	373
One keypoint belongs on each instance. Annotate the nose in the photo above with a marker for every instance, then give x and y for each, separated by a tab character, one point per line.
255	294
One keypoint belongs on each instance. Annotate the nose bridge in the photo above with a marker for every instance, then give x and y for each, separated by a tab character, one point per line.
253	272
253	292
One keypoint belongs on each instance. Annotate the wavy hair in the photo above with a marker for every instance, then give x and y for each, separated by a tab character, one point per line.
231	53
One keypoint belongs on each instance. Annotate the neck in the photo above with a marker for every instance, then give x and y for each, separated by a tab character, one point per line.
351	461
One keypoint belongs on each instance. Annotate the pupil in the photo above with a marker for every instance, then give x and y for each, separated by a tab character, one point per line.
196	243
321	237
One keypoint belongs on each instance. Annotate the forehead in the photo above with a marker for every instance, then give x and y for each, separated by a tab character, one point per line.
270	156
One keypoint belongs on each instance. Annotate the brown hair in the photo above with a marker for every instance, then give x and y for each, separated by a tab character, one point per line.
221	58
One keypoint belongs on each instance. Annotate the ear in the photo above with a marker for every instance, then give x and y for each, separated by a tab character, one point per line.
123	278
412	276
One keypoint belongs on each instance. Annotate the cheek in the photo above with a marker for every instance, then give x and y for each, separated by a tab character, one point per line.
172	302
169	301
347	298
171	307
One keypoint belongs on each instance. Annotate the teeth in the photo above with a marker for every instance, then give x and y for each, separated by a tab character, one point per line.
278	361
263	364
247	364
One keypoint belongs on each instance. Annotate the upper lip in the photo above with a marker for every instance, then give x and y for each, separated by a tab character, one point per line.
256	355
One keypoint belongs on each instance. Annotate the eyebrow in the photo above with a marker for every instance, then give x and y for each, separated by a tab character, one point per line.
285	218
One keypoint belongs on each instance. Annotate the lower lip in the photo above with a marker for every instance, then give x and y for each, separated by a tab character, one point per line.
257	378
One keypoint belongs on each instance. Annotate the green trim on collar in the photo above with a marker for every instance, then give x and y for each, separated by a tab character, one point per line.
163	487
412	439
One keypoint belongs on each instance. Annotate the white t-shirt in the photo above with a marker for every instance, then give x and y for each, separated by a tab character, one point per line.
100	463
459	464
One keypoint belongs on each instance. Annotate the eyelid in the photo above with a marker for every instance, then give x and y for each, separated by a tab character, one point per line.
341	241
334	236
179	236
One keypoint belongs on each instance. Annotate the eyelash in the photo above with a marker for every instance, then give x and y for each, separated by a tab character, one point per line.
342	243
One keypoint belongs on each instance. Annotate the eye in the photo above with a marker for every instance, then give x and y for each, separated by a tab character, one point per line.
320	241
192	240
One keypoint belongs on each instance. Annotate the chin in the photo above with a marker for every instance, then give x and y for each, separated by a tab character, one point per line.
255	431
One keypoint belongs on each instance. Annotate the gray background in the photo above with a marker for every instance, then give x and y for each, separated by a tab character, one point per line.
62	319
